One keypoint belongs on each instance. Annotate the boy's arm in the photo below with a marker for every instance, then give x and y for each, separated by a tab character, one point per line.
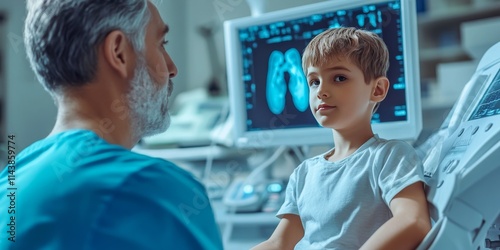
408	226
286	235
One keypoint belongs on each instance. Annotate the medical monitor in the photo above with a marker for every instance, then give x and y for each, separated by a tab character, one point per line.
489	104
268	91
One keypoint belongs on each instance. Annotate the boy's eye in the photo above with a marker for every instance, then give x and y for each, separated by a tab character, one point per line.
313	82
339	78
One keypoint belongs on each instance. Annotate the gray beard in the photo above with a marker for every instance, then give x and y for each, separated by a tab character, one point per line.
148	103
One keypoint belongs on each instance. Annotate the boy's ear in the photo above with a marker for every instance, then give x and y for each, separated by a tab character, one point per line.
380	88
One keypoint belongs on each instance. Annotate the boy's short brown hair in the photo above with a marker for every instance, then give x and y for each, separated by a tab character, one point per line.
363	48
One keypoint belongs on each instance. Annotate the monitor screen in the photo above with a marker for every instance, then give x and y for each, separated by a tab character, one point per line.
268	90
489	105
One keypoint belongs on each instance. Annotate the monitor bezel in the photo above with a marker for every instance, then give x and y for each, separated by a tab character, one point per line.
407	130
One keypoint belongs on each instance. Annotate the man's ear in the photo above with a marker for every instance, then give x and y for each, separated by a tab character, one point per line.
119	53
380	88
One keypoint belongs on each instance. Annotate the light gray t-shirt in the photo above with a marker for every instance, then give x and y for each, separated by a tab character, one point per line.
341	204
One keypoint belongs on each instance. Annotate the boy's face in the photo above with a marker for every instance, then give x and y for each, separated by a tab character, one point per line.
339	97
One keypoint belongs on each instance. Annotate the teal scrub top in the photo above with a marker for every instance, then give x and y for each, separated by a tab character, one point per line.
74	191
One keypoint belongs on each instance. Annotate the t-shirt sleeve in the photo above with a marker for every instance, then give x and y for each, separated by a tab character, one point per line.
400	167
290	204
160	207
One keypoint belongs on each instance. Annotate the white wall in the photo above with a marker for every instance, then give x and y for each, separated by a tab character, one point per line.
30	111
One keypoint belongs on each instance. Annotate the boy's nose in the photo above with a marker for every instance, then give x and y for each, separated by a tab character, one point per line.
322	93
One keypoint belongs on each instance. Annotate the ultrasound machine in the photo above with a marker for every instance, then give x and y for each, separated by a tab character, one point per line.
267	94
463	188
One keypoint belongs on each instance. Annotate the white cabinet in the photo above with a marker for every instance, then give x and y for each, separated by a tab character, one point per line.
444	63
439	34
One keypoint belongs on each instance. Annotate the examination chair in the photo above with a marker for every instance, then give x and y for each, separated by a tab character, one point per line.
462	166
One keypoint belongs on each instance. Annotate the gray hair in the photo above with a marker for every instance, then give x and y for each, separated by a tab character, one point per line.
62	36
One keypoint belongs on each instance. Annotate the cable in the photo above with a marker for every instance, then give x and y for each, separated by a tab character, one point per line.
209	162
264	165
300	155
248	180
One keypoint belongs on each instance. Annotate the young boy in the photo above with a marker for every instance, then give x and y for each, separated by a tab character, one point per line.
366	192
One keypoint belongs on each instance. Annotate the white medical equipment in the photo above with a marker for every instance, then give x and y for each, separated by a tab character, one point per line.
463	172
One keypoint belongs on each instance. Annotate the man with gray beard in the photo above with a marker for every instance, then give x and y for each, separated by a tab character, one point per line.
105	64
